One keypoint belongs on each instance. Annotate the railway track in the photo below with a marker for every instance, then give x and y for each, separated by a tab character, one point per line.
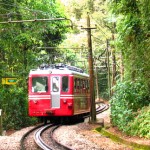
40	132
25	136
43	135
38	137
101	108
52	143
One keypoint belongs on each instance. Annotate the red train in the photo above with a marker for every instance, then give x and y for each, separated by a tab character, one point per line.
58	92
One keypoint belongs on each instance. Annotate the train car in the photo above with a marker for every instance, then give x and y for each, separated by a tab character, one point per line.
58	92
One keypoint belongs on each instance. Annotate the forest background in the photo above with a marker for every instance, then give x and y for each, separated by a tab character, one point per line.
121	53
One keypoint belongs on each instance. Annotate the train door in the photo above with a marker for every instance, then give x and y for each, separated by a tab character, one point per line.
55	92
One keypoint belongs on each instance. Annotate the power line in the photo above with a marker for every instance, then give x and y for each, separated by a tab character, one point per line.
33	20
59	48
98	25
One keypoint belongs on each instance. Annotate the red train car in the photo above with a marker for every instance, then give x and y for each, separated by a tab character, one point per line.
58	92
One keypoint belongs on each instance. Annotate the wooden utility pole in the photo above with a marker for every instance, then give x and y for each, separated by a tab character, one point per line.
91	71
121	67
97	87
108	69
113	60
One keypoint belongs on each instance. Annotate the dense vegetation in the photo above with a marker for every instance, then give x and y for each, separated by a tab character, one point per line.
100	19
131	99
19	51
126	105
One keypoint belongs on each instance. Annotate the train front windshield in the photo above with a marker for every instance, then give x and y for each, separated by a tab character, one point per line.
55	84
39	84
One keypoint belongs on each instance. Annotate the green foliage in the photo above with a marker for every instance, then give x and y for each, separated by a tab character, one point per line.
22	37
133	30
98	16
129	97
141	124
13	102
19	53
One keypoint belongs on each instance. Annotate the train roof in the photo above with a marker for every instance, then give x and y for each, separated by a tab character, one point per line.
58	69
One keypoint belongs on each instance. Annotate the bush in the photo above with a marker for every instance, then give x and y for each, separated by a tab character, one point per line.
141	124
13	102
129	97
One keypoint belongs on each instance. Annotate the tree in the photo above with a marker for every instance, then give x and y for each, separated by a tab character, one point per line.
133	36
132	93
99	17
19	52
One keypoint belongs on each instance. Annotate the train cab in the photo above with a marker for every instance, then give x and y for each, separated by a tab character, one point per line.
58	91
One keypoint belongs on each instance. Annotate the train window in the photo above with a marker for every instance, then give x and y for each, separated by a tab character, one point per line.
55	84
88	85
84	86
75	85
81	85
78	85
65	84
39	84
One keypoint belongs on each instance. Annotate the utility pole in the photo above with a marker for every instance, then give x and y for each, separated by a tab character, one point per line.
121	67
108	68
113	60
97	88
91	71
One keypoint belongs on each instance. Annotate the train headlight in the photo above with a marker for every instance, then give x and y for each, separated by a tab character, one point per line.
65	101
35	101
70	105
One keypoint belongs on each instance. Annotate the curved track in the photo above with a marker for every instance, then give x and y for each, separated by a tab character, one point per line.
52	143
25	136
38	138
101	108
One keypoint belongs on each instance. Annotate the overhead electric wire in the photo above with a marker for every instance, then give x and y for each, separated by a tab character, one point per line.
58	48
35	18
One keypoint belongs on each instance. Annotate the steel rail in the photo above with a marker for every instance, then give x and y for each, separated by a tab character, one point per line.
102	108
38	139
22	146
42	128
